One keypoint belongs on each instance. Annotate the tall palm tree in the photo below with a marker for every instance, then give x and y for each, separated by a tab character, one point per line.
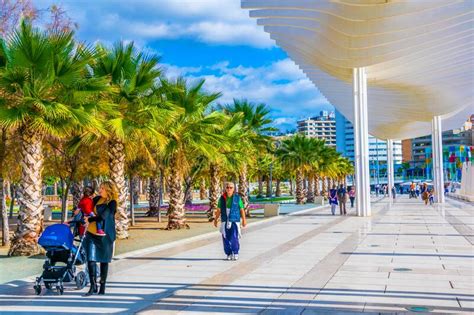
193	132
47	81
255	121
298	153
133	76
319	149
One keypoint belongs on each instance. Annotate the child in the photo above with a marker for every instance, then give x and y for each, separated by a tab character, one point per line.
86	205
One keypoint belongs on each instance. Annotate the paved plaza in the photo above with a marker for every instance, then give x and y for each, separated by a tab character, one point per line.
405	255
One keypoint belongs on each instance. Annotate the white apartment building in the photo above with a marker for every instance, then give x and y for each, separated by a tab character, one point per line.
321	127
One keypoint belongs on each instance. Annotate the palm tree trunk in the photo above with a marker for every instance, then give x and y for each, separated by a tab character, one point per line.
291	187
131	200
77	188
117	176
64	201
317	187
243	188
136	189
260	187
299	187
325	186
30	215
14	194
3	209
188	193
268	192
213	191
154	197
310	193
202	189
4	191
176	215
278	188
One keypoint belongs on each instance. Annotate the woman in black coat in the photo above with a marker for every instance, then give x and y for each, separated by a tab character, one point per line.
99	247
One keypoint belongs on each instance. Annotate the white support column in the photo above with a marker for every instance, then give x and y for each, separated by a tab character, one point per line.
437	144
390	174
361	142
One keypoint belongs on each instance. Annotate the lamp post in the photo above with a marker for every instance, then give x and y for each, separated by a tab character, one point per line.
271	183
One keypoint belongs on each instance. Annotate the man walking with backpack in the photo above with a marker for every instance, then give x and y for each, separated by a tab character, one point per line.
342	198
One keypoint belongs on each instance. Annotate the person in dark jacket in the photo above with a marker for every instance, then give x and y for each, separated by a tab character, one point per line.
99	249
342	198
231	211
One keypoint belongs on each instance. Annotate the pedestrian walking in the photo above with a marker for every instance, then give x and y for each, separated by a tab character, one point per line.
342	198
424	193
333	199
394	192
352	195
431	196
99	248
231	211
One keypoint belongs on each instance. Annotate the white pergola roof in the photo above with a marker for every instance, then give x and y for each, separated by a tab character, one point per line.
418	54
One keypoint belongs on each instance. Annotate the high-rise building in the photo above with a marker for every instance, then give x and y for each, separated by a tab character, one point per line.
321	127
377	147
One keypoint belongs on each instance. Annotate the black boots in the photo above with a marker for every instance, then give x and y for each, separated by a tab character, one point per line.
92	277
104	269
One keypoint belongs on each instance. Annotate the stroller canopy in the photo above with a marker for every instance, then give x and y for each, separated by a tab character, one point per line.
57	236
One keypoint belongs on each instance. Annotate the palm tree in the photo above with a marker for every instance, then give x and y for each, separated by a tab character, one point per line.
298	153
46	81
193	132
255	120
133	76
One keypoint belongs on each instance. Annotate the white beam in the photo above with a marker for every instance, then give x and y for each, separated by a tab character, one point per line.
390	174
437	144
361	142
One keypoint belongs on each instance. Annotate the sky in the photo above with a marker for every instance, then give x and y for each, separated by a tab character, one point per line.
210	39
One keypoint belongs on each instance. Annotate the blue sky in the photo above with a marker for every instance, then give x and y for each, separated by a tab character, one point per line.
210	39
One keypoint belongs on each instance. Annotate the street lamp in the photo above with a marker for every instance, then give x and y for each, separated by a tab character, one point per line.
271	183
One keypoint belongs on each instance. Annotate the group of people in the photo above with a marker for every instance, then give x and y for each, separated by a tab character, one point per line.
426	192
338	196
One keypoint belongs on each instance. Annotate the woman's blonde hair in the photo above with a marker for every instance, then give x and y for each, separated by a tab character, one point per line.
111	190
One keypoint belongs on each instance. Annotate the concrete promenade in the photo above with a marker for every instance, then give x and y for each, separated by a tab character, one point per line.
406	255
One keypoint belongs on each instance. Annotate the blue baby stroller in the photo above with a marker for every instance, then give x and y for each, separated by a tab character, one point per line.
62	257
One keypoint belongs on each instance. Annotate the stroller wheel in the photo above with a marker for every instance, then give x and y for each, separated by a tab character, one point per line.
37	288
60	289
81	280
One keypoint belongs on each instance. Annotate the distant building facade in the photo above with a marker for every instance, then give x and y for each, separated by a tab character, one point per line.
377	148
321	127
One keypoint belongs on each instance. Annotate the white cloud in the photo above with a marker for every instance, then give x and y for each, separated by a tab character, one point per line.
210	21
281	85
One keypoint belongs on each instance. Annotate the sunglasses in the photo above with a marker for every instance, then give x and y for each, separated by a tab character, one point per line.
229	188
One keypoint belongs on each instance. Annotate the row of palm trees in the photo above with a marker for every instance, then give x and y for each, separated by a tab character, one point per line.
76	111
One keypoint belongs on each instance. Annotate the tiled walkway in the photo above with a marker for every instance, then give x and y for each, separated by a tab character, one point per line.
405	255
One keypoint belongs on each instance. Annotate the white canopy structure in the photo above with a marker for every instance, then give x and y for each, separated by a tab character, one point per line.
390	66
